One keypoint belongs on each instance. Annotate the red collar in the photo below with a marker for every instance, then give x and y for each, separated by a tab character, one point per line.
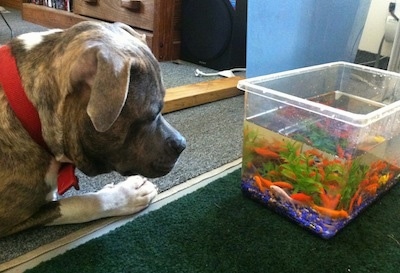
27	114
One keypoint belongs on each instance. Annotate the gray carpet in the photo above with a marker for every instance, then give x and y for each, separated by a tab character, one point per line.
18	26
213	132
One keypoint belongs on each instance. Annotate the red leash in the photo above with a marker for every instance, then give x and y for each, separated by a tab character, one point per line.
27	114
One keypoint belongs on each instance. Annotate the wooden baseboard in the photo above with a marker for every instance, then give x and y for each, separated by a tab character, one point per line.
186	96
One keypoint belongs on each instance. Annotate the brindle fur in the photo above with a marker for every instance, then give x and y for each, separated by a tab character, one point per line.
98	91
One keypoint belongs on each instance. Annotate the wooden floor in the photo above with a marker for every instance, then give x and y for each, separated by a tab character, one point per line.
186	96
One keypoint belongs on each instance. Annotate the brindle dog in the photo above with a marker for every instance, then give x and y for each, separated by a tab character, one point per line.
98	94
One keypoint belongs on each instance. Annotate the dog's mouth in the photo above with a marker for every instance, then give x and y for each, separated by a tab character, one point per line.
128	173
162	169
156	169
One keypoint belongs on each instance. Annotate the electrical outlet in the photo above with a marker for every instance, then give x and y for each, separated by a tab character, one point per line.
390	28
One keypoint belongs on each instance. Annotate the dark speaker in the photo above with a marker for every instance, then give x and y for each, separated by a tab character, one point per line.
213	33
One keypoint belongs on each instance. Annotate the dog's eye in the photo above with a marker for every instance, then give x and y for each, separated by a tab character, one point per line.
151	116
154	114
148	118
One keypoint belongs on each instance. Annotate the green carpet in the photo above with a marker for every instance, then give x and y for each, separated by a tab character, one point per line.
217	229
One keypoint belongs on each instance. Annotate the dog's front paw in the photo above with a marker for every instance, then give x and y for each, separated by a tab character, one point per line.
129	196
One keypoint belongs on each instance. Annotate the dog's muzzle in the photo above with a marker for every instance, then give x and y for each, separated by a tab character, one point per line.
177	144
174	148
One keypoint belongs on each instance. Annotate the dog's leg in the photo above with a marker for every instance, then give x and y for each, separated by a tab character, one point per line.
124	198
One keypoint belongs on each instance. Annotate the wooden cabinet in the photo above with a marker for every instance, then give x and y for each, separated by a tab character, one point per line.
158	19
140	15
11	3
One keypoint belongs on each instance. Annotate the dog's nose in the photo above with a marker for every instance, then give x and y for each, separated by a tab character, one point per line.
178	144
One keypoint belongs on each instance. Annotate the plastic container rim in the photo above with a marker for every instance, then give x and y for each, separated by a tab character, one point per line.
250	85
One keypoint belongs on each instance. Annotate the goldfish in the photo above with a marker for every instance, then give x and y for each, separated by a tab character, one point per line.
302	197
266	153
263	183
334	214
329	201
259	183
283	185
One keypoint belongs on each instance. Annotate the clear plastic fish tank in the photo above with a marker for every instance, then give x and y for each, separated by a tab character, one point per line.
321	143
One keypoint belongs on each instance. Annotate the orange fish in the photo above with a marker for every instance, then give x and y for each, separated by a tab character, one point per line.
265	182
372	188
378	166
374	179
334	214
266	153
302	197
283	185
262	183
259	184
329	201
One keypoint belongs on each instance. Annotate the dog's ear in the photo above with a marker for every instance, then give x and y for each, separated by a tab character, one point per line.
109	89
106	73
131	31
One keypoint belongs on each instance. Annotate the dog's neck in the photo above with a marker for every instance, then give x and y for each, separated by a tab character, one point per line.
27	114
19	103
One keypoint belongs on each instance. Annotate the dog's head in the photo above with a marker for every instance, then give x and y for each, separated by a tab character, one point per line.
112	114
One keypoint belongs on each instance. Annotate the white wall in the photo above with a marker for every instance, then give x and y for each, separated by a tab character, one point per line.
318	31
375	27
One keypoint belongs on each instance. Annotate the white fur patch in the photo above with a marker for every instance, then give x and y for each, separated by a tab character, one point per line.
51	179
32	39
